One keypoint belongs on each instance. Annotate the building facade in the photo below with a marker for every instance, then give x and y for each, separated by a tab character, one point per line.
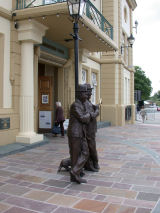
37	63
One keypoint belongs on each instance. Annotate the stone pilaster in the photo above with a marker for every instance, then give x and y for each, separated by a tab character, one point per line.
29	33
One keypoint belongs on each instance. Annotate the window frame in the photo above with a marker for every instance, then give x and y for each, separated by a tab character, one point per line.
1	68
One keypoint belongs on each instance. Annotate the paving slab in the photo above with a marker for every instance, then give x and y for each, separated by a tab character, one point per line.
128	180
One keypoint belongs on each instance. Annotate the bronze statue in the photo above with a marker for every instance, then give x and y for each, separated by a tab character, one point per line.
78	146
81	136
66	164
92	163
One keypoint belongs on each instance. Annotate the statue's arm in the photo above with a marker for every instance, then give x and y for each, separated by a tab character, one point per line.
79	114
96	111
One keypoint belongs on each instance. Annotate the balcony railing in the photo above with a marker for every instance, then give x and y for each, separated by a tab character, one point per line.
91	12
98	19
22	4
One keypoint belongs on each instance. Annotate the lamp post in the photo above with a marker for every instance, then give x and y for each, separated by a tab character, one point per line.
76	8
136	25
130	40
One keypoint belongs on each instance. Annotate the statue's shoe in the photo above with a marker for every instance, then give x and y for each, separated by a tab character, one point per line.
96	166
82	174
66	164
92	169
76	178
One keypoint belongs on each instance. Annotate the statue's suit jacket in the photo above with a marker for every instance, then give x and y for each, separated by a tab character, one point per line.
94	111
78	120
91	129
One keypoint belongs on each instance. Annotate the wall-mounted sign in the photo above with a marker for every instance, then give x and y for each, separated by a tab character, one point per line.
45	120
4	123
45	99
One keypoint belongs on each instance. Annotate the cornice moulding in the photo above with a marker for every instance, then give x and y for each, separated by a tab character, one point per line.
112	61
106	61
5	13
95	59
117	61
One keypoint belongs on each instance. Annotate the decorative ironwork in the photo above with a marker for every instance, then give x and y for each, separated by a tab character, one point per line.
98	19
91	12
22	4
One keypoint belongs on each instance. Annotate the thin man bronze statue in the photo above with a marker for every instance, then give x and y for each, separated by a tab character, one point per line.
92	163
78	146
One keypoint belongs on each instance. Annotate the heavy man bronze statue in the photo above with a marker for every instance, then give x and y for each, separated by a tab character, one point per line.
81	135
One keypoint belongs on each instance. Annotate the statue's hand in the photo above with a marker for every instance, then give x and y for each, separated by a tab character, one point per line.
97	106
92	114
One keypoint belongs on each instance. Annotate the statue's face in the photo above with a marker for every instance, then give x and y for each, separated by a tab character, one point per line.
83	96
89	94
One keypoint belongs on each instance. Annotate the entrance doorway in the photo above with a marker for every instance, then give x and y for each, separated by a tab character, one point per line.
47	96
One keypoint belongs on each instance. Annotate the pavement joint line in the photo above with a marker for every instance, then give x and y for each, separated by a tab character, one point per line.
150	152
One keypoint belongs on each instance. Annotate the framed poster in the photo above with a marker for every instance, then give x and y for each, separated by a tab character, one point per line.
45	99
4	123
45	119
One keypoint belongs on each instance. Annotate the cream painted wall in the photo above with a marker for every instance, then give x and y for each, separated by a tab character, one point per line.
7	89
7	4
92	64
126	25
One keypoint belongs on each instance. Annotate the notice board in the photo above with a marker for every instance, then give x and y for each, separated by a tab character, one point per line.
45	119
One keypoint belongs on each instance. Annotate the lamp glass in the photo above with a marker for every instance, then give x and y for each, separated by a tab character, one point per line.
131	39
76	7
136	23
82	6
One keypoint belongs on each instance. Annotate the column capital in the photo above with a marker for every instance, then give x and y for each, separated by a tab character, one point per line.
31	31
83	55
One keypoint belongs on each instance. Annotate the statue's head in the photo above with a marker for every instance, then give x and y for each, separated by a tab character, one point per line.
81	92
89	91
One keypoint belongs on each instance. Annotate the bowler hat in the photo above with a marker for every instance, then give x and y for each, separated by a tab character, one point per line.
81	88
88	86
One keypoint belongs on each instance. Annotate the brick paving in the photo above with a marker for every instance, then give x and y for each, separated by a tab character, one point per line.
128	181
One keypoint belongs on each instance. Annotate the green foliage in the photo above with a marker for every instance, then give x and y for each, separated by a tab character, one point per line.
156	98
141	82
